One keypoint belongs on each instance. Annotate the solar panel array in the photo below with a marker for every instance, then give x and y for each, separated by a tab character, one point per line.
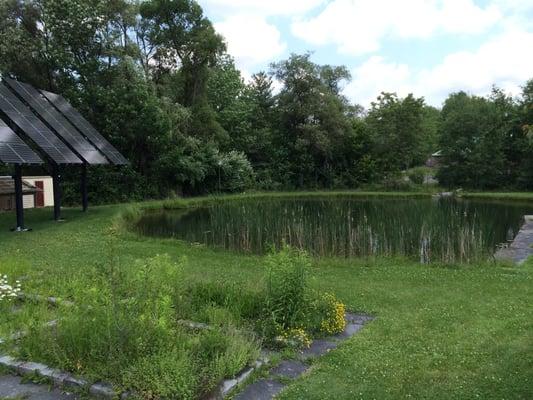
57	121
85	128
13	150
35	129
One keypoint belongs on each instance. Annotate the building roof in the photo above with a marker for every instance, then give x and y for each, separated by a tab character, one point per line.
7	186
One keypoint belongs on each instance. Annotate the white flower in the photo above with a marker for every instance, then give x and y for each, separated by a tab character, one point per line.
7	291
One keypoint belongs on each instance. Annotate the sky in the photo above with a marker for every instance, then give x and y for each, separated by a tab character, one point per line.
426	47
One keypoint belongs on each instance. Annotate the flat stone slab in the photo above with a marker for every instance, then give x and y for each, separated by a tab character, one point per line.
318	348
359	319
520	249
264	389
289	369
349	331
11	387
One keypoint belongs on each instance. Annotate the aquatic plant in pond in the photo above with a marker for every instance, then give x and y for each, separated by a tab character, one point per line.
430	230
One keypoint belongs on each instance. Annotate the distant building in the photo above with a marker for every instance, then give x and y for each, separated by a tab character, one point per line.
434	160
37	192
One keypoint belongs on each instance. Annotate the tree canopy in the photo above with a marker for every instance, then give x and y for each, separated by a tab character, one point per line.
155	78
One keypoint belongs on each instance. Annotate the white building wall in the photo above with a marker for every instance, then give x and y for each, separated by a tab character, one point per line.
28	200
48	188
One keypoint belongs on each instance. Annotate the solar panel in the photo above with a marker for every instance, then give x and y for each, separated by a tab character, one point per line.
57	121
86	128
35	129
13	150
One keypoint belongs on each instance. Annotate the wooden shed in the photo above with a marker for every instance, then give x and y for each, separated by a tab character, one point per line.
33	196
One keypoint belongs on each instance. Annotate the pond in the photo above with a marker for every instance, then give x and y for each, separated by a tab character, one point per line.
448	230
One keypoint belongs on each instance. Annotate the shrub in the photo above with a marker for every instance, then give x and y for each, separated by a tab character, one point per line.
416	176
292	309
287	287
332	314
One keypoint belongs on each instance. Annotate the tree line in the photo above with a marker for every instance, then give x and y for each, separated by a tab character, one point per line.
155	78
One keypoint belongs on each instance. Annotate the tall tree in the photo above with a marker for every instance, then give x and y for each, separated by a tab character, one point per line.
472	133
185	39
397	127
313	118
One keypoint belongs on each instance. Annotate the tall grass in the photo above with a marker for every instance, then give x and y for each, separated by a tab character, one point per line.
430	230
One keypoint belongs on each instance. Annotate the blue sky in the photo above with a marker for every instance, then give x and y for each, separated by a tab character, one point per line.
427	47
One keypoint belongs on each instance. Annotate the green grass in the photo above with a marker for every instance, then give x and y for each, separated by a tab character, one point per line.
441	332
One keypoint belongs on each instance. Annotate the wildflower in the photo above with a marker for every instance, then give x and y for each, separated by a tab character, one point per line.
334	321
7	291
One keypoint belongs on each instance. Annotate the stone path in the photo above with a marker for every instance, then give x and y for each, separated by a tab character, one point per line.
267	388
520	249
11	387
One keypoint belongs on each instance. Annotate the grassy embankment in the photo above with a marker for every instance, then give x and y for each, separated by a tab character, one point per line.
457	332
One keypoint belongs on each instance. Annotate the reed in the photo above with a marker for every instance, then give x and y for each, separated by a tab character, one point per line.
430	230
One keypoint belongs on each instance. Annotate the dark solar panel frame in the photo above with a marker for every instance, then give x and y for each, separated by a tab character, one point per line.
85	128
13	150
35	129
57	121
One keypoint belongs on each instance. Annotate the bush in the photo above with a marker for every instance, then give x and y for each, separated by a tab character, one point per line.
292	309
416	176
287	287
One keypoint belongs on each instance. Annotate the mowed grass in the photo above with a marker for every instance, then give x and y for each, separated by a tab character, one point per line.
441	332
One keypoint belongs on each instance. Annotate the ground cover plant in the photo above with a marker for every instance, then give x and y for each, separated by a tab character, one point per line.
442	331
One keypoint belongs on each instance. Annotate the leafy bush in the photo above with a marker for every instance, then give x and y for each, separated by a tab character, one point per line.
292	309
287	287
396	182
332	314
416	176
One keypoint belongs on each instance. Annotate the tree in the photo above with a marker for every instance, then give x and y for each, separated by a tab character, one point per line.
184	39
525	175
313	118
398	130
472	133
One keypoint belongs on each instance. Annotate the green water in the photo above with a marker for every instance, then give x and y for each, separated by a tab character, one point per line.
427	229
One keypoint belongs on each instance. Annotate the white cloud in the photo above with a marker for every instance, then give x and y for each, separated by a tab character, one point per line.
261	7
502	60
375	76
251	40
358	26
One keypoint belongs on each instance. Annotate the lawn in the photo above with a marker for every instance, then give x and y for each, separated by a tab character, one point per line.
441	332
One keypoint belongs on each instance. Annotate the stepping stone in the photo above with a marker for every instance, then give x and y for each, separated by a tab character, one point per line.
359	319
318	348
265	389
11	387
349	331
289	369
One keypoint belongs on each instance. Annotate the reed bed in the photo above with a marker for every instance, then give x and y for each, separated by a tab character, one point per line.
430	230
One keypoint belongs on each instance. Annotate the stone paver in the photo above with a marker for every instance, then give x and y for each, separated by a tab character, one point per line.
520	249
318	348
268	388
11	387
289	369
264	389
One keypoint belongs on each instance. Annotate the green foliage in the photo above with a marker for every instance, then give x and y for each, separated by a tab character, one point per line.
397	127
123	329
471	143
154	77
418	175
287	287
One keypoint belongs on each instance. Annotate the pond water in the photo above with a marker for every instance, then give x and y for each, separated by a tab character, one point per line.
428	229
